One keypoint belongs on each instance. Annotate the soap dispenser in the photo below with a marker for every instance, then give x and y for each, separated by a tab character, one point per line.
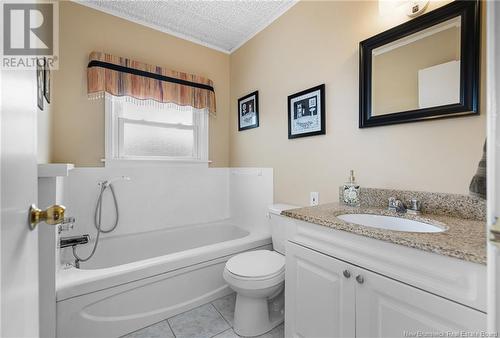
351	192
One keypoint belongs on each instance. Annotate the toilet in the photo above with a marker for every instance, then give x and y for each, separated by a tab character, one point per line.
258	278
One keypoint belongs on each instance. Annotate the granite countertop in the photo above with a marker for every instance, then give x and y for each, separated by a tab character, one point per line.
464	238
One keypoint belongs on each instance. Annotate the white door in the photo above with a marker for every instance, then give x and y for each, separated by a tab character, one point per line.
387	308
319	298
18	182
493	162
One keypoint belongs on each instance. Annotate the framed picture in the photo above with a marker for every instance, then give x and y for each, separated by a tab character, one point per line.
46	81
248	111
306	113
40	82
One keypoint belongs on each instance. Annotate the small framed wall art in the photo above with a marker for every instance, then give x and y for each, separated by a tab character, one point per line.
306	112
248	111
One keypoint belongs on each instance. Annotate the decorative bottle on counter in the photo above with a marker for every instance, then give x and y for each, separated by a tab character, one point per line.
351	192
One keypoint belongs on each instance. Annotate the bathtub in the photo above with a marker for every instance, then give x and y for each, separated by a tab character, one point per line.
136	280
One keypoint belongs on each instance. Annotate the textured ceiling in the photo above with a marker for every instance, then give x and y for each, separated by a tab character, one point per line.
222	25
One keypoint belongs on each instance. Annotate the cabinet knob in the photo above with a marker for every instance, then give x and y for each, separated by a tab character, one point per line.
360	279
347	273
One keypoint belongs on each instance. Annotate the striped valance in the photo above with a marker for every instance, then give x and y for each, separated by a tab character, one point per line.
120	76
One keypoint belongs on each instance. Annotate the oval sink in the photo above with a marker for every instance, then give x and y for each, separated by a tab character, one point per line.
390	223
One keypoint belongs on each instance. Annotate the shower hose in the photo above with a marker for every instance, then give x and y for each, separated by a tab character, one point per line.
98	222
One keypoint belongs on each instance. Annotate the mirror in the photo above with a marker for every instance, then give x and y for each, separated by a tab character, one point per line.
423	69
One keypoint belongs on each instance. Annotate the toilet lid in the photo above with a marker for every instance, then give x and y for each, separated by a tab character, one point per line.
254	264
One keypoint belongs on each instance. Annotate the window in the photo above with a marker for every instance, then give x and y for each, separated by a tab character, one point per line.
154	131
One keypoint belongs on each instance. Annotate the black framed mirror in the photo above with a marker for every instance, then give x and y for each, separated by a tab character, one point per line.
426	68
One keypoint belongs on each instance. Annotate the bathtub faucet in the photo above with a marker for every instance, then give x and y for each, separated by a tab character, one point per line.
65	242
73	241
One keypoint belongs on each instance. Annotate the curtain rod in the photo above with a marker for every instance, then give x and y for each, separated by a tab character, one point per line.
133	71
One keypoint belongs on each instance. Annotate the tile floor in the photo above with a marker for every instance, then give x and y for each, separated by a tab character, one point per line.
214	319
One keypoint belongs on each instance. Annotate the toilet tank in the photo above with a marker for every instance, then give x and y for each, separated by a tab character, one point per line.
278	225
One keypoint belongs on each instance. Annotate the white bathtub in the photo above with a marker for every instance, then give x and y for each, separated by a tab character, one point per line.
137	280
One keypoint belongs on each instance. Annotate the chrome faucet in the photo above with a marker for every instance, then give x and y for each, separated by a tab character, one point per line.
415	207
73	241
65	242
399	207
392	204
396	205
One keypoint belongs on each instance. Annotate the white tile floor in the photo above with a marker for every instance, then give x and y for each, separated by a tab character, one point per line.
214	319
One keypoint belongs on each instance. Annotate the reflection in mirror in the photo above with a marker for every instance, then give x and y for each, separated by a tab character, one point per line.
421	70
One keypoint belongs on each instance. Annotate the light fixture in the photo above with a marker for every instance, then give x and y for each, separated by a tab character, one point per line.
416	8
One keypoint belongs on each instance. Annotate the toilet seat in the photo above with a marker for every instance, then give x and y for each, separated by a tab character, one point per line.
256	265
248	284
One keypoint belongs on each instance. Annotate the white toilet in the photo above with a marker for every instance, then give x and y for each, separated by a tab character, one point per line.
258	278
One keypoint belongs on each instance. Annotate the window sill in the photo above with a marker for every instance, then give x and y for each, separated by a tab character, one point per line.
137	162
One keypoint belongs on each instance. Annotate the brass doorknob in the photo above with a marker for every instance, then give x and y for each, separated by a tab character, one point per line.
52	215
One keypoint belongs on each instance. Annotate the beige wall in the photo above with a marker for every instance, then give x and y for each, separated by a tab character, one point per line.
78	124
313	43
317	42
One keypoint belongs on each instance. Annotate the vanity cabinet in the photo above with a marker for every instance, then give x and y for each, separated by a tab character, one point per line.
319	299
328	297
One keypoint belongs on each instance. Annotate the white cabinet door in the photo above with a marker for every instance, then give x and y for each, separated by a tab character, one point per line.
319	298
388	308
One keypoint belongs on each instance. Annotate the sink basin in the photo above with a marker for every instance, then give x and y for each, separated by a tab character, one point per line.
390	223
